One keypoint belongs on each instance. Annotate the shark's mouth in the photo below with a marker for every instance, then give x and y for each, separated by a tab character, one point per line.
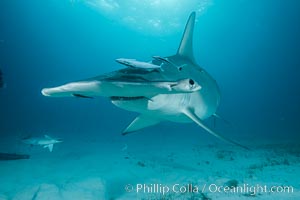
120	98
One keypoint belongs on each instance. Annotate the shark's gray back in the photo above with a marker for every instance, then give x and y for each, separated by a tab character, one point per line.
182	65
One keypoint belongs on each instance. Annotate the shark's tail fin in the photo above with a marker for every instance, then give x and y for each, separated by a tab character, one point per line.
186	45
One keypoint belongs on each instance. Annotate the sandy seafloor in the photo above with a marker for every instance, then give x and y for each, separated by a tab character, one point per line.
95	169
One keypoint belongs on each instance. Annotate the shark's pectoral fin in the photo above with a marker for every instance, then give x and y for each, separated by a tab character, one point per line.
140	122
49	146
190	113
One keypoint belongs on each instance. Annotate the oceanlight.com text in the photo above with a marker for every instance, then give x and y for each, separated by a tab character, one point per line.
251	190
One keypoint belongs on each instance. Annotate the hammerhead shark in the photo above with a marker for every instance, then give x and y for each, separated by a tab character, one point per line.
45	142
173	88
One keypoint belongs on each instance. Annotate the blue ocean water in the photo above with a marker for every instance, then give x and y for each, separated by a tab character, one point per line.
251	48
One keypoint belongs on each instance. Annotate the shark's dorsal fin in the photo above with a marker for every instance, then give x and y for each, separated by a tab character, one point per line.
186	45
140	122
48	137
190	113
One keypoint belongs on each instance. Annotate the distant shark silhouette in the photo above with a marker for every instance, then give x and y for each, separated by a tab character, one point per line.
13	156
172	88
46	141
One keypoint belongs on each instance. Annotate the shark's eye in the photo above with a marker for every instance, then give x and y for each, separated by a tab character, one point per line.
192	82
179	68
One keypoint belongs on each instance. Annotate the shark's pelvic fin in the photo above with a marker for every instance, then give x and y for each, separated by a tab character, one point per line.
190	113
49	146
140	122
186	45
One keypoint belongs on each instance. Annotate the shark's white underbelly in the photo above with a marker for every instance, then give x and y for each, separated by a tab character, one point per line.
168	107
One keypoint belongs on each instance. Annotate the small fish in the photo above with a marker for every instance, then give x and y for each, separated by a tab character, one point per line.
167	61
137	64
